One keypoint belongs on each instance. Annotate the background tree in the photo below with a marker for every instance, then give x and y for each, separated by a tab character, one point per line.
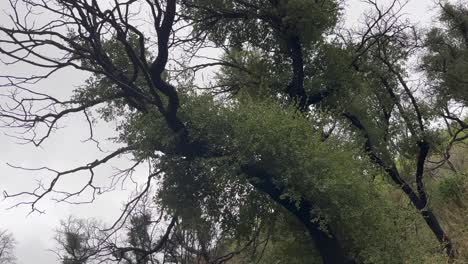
76	239
7	248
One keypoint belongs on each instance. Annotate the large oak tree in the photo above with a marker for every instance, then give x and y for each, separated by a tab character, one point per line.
298	121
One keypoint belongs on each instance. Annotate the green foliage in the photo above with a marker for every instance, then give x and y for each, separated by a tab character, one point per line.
281	140
288	243
452	188
254	126
308	19
450	200
255	74
446	62
260	23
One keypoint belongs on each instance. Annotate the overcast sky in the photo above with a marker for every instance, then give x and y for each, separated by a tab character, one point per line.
65	149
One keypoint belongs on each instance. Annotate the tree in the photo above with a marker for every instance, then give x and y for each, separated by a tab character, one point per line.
446	59
77	241
141	242
373	61
7	247
303	119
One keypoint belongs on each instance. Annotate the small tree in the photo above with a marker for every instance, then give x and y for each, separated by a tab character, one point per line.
7	248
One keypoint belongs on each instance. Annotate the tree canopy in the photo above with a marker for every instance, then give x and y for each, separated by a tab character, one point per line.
310	142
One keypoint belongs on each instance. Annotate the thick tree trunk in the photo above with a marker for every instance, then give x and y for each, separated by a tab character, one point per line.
428	216
295	87
327	244
443	239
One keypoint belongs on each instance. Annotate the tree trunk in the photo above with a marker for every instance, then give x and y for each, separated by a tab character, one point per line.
428	216
443	239
327	244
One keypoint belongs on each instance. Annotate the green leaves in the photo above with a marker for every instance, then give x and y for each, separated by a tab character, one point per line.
446	62
362	84
260	23
309	19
